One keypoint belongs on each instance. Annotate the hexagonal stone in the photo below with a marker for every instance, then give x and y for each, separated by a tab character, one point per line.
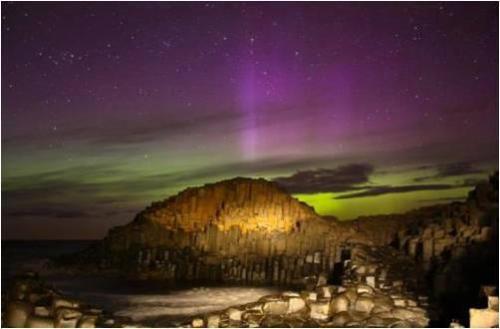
213	320
234	314
339	304
364	304
296	304
276	307
197	323
320	310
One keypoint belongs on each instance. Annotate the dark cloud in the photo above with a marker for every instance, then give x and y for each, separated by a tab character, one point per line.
51	211
341	179
381	190
450	170
389	189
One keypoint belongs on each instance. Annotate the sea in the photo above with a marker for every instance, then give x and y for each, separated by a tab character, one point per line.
147	303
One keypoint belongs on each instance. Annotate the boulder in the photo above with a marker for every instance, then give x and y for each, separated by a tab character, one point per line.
483	318
400	302
339	304
370	281
295	304
493	303
213	320
320	310
41	311
17	313
197	323
364	304
276	307
234	314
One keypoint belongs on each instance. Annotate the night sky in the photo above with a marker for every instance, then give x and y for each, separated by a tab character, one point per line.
357	109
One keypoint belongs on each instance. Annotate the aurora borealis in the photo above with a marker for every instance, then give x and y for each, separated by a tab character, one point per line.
355	108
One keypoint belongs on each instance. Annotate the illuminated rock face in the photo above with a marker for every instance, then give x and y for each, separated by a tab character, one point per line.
250	205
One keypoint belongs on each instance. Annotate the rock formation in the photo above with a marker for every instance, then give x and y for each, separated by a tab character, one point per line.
31	303
239	230
252	232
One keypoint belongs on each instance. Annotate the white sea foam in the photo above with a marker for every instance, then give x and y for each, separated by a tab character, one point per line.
147	306
190	302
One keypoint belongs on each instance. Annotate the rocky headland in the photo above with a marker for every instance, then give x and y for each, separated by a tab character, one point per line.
425	267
